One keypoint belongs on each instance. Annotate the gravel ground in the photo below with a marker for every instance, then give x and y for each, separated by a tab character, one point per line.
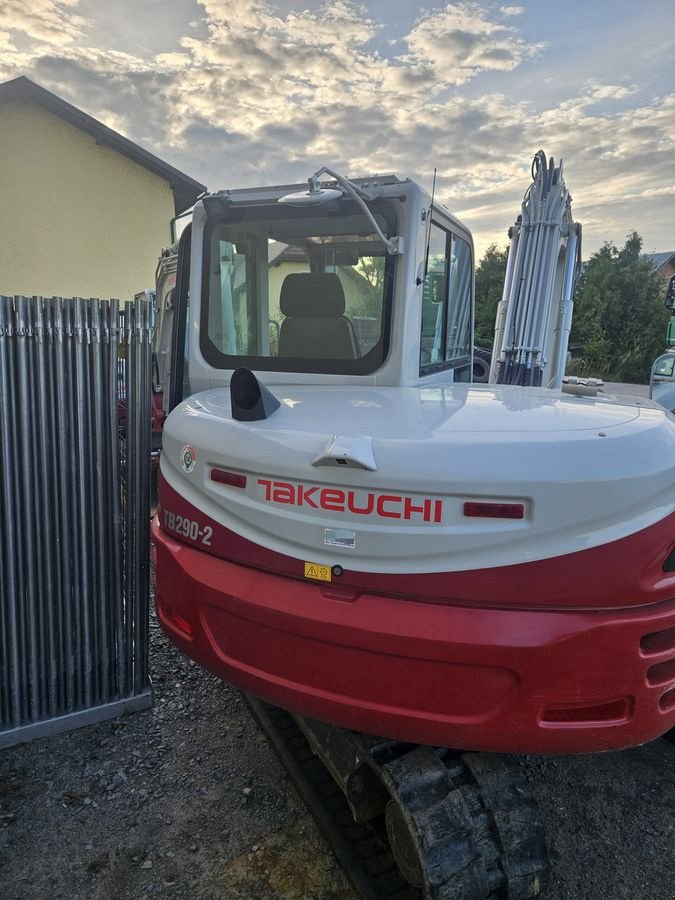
184	800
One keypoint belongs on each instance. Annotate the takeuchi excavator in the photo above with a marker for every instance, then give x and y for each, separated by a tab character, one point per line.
428	574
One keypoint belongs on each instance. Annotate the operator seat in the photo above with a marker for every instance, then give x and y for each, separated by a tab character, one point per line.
314	325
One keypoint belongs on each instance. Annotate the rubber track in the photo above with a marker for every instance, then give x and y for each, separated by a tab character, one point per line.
361	847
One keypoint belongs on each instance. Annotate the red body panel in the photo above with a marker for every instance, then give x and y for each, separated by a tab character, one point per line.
623	573
589	670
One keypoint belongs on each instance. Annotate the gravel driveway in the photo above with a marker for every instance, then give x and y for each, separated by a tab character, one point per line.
184	800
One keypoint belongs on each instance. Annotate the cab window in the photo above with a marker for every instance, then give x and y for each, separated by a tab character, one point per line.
292	291
446	306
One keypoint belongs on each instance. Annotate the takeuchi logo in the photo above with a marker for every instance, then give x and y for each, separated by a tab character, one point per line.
361	503
188	458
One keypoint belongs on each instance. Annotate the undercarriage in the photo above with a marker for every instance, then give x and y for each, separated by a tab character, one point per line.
413	822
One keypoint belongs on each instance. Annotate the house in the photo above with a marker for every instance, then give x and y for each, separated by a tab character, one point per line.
664	263
86	211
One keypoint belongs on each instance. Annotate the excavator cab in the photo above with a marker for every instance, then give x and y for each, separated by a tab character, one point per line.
670	294
662	380
321	292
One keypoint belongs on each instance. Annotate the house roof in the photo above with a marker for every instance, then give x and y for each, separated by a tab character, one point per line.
278	252
660	259
185	189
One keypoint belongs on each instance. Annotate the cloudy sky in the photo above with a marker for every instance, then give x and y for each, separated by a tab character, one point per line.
245	92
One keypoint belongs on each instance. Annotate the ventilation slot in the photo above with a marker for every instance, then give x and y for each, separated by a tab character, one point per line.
667	702
661	673
658	642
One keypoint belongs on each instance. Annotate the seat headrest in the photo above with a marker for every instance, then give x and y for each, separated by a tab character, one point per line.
312	295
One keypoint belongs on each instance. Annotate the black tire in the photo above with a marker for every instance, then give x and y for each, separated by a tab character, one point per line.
481	365
480	371
465	827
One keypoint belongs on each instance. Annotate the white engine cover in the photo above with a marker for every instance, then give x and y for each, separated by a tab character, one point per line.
587	471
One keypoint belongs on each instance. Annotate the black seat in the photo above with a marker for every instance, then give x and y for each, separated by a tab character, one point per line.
314	325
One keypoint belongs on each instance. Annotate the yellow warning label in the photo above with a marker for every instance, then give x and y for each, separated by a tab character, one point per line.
318	572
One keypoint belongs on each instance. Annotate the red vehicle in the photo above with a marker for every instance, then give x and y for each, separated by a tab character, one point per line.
359	534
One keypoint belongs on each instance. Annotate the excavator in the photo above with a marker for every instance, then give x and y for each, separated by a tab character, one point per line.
662	377
413	577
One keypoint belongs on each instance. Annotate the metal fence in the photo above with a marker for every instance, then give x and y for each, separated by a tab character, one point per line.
74	512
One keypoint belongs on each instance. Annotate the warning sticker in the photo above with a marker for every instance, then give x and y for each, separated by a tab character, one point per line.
188	458
318	572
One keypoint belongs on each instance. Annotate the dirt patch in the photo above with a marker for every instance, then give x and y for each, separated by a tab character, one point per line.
186	800
610	820
183	800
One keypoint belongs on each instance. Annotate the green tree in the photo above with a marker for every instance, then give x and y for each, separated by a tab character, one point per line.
490	276
619	317
368	301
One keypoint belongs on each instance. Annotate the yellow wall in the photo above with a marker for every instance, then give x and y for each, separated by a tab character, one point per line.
78	219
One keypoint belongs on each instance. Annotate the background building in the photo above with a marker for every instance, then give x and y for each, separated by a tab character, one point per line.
86	212
664	263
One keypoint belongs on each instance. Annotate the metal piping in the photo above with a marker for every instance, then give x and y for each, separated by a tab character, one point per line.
530	344
74	520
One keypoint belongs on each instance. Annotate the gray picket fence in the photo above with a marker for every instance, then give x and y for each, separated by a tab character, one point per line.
74	512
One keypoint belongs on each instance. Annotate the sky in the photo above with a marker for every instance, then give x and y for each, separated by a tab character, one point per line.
238	93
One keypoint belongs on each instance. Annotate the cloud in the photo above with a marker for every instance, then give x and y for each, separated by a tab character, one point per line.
254	95
512	10
257	66
617	165
49	21
460	41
